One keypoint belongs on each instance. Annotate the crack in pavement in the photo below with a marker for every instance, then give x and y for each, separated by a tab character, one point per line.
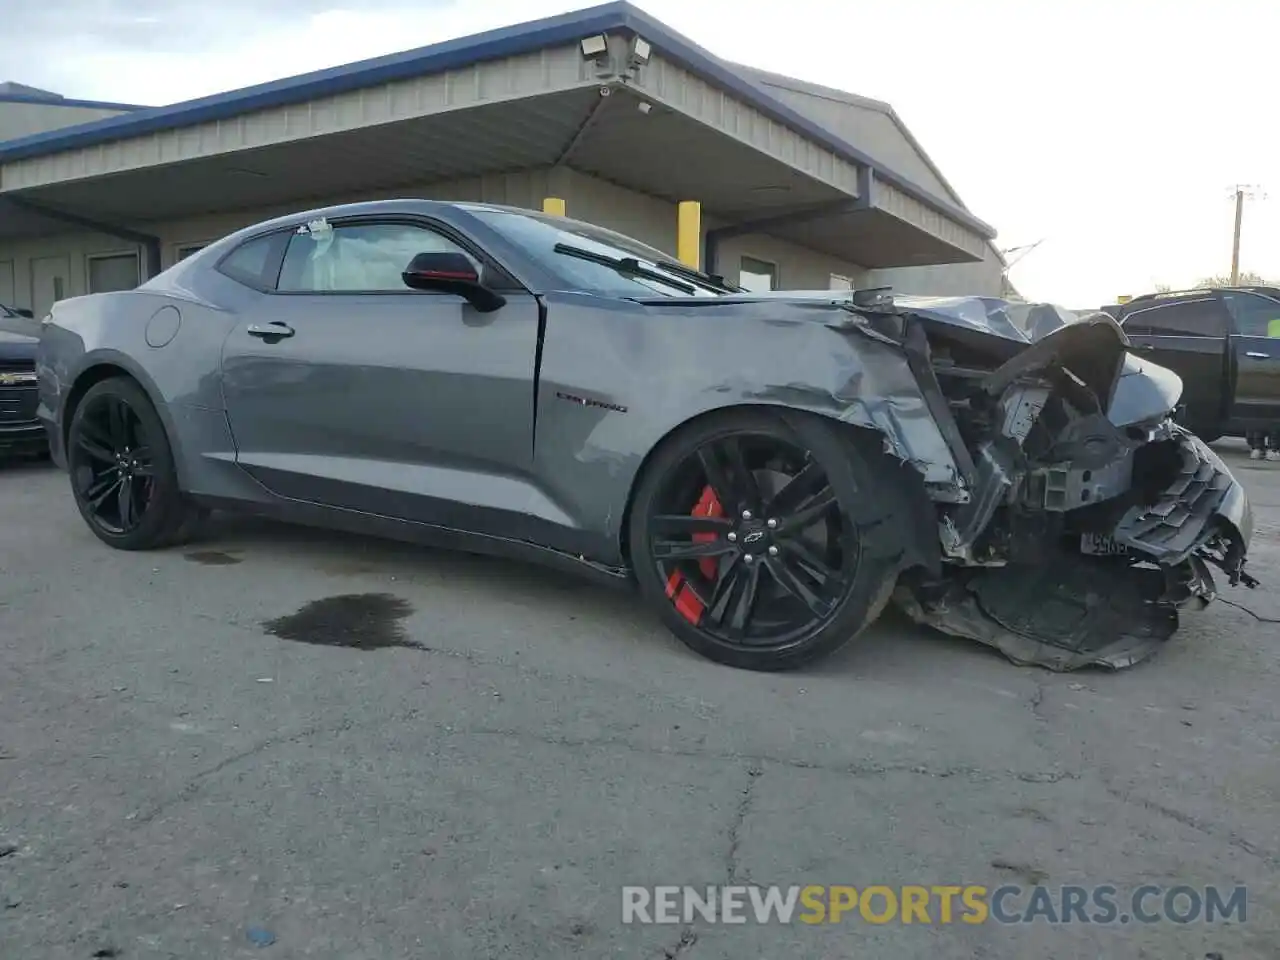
754	772
1230	837
855	769
688	937
193	783
1037	700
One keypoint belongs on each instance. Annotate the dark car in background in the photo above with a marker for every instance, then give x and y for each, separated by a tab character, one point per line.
1224	342
20	432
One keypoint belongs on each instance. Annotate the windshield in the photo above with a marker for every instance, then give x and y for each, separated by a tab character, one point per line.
597	260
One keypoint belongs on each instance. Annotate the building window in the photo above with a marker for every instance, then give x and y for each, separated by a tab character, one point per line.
758	276
840	283
114	271
187	249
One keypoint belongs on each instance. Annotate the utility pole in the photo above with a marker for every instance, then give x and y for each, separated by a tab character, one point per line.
1243	192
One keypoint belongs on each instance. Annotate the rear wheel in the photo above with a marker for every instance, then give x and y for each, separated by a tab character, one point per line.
122	470
765	540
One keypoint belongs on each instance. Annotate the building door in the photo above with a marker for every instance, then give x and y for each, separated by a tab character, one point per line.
113	271
50	282
8	289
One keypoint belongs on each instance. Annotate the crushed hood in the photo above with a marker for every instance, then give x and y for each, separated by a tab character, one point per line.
1020	322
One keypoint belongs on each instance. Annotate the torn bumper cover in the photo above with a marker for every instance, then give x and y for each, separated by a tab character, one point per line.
1082	517
1109	611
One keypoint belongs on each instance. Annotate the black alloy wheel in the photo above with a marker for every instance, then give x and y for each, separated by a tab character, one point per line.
753	535
114	473
122	470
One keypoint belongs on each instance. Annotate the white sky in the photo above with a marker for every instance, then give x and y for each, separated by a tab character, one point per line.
1114	130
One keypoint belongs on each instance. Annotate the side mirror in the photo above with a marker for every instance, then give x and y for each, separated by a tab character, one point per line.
451	273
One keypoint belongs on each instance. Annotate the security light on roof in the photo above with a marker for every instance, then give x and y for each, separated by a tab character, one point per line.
596	46
640	50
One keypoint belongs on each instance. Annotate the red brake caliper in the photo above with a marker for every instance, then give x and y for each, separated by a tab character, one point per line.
687	603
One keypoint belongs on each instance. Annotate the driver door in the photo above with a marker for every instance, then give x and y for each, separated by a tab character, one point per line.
345	388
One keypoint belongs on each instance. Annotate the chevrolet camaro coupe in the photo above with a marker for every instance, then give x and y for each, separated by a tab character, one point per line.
771	470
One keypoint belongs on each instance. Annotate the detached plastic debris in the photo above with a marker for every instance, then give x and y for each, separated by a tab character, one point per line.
260	936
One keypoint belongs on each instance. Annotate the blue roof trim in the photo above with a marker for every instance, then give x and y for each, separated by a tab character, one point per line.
452	54
449	55
67	102
711	67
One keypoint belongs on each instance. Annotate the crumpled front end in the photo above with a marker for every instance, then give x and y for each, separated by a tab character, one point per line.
1090	518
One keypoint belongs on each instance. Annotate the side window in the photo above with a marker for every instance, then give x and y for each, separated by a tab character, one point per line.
362	257
254	262
1254	316
1186	318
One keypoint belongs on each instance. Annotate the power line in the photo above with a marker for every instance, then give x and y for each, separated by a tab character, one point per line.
1022	251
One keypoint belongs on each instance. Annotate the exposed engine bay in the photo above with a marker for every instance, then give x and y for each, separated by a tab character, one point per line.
1090	516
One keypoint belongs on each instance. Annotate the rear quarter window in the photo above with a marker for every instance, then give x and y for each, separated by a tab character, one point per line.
256	262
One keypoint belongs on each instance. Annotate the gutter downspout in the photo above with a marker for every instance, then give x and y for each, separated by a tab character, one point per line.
149	242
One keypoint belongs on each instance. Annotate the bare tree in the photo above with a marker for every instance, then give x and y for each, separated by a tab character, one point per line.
1247	279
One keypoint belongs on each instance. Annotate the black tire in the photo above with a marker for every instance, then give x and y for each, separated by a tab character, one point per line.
860	524
117	443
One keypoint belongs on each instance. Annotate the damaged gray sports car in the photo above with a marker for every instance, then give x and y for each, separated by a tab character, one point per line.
771	470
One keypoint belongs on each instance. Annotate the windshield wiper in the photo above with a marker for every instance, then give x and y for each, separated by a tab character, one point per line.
707	279
627	266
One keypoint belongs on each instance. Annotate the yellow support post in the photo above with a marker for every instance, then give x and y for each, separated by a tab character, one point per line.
689	233
553	206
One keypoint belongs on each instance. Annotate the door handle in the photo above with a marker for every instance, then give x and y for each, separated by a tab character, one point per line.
275	330
1257	356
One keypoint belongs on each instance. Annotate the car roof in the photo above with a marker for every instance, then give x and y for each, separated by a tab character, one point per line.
1200	292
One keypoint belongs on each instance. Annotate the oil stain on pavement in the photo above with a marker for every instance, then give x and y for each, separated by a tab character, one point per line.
361	621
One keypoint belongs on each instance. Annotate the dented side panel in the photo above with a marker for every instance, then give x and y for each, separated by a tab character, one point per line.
615	381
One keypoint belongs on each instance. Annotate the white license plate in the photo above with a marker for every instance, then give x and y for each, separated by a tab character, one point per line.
1098	545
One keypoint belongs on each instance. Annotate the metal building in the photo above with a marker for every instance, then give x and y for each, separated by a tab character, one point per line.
606	109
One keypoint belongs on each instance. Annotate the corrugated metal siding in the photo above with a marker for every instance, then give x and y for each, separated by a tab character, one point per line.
596	201
678	88
945	280
547	71
25	119
870	130
894	201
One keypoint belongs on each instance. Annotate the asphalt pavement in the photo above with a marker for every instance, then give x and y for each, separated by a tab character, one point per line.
196	762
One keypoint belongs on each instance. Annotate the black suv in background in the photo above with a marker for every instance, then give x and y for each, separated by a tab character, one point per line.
1225	344
20	431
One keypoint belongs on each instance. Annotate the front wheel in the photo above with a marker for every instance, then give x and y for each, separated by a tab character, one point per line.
766	540
122	469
